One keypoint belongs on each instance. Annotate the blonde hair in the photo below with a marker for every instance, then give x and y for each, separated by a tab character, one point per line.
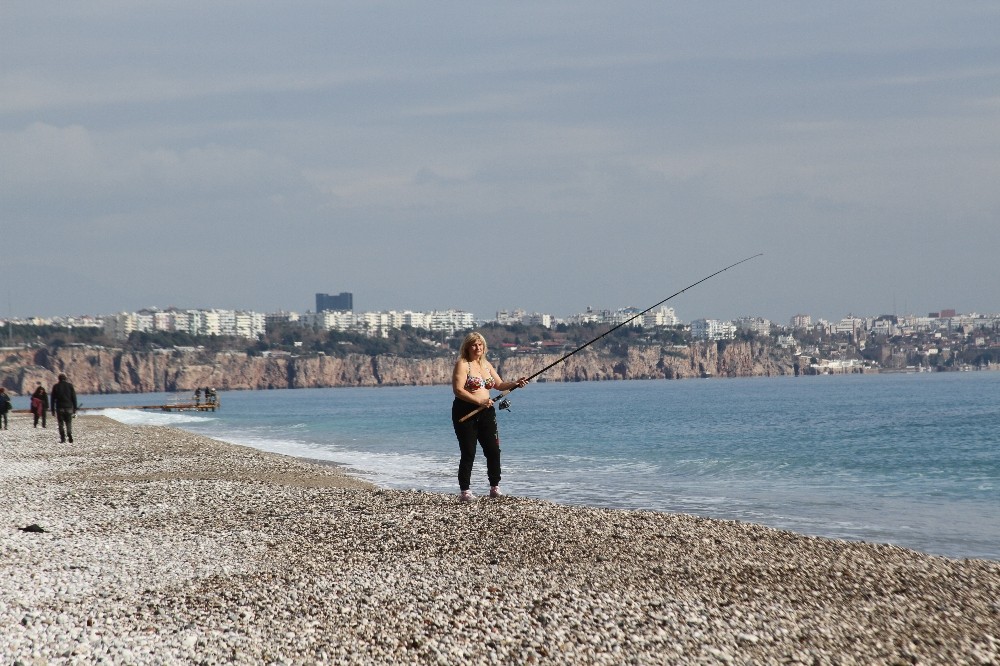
469	339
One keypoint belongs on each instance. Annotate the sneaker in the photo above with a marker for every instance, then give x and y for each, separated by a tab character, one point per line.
495	491
466	496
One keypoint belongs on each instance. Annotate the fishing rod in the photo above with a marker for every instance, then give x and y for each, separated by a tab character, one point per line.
503	404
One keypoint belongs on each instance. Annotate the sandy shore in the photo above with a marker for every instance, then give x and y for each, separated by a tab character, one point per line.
165	547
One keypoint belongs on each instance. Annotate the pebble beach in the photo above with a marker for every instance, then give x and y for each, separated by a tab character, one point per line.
150	545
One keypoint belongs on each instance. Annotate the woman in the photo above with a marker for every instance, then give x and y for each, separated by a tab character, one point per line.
471	382
39	404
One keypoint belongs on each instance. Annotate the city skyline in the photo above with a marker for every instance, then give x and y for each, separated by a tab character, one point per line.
943	313
549	155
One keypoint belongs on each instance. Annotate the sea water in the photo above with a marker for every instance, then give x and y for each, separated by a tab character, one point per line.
908	459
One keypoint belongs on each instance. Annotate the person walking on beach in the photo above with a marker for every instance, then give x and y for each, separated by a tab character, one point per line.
4	407
64	407
39	404
471	382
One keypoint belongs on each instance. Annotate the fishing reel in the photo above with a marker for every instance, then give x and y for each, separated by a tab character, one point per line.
503	404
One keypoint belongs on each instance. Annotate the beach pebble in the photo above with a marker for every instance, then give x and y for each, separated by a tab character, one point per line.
165	547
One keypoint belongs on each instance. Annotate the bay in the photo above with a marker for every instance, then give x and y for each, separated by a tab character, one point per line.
908	459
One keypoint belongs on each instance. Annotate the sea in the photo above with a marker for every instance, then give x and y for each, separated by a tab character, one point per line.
906	459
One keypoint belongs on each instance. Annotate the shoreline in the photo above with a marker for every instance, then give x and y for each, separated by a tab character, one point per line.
161	545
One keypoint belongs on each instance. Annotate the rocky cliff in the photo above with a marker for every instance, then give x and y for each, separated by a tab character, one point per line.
102	370
735	359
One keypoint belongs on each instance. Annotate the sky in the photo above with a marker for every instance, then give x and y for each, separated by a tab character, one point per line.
548	156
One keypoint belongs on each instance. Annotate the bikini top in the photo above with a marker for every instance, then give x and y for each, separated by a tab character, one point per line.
476	383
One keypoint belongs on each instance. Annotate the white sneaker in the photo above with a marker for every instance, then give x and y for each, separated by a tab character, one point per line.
466	496
495	491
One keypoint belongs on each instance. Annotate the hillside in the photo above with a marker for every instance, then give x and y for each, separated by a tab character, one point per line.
95	369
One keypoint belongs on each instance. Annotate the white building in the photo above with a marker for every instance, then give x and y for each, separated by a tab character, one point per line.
589	317
757	325
801	321
518	316
184	321
912	324
210	322
622	315
281	317
163	321
451	320
849	325
538	319
378	324
244	324
144	321
712	329
415	319
660	318
787	342
120	326
83	321
249	324
227	321
884	328
329	320
511	317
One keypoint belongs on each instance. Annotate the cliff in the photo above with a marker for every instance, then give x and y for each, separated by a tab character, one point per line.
102	370
735	359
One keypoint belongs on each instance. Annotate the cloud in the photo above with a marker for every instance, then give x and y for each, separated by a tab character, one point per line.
593	154
62	169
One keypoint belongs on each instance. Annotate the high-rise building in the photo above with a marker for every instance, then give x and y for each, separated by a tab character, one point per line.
801	321
344	301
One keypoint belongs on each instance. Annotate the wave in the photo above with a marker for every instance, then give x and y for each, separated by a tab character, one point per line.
388	469
154	418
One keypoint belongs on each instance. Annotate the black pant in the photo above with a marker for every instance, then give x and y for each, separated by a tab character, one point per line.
65	419
3	419
482	428
40	415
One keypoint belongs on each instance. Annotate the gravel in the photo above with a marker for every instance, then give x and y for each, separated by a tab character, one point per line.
159	546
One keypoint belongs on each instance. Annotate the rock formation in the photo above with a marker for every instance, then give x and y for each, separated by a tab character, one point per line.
103	370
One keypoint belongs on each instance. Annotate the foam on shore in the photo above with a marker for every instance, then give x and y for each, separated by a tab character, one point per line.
168	547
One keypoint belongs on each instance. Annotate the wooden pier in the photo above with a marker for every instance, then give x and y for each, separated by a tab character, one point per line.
172	407
208	403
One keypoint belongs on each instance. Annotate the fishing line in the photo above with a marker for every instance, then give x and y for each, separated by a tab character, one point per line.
505	405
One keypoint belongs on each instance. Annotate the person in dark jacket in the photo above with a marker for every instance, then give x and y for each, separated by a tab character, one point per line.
4	406
39	404
64	406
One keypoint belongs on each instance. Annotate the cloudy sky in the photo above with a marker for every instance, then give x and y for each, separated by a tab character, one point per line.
481	156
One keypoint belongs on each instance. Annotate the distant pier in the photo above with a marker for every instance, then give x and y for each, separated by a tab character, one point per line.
172	407
209	404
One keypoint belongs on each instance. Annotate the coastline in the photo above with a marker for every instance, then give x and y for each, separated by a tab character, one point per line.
164	546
